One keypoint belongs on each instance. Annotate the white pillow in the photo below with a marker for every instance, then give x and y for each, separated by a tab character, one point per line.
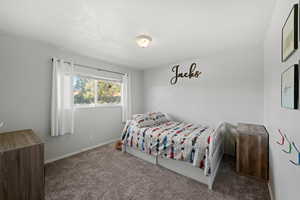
143	120
158	117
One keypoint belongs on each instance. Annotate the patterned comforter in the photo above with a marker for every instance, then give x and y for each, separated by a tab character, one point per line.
175	140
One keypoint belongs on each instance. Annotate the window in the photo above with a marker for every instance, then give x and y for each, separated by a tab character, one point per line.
91	91
83	90
108	92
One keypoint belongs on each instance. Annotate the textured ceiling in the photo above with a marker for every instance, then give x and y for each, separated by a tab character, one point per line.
106	29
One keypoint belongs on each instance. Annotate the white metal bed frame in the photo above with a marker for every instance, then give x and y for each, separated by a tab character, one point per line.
187	169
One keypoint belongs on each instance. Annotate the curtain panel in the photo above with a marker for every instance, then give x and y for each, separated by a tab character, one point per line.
126	100
62	111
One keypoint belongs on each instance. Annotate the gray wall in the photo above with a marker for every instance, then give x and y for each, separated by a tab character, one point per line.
230	89
25	96
284	176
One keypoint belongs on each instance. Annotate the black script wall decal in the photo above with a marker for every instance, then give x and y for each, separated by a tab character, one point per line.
190	74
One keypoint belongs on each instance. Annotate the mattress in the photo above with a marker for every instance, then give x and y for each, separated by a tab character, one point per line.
174	140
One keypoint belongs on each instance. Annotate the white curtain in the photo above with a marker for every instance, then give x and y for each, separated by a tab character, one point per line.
62	112
126	100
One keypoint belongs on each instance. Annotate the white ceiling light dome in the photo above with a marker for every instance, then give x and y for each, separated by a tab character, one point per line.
143	40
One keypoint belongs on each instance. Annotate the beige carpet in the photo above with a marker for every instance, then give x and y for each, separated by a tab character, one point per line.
107	174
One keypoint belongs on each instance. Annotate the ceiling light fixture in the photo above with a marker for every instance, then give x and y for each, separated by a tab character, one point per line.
143	40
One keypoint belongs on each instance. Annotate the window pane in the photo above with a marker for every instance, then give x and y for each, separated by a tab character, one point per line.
109	92
84	90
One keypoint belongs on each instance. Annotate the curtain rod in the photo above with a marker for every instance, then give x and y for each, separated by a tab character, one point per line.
94	68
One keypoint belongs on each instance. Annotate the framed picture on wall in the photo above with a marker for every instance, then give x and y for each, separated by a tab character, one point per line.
290	87
289	41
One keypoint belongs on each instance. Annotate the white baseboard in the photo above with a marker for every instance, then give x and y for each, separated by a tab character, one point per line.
80	151
270	191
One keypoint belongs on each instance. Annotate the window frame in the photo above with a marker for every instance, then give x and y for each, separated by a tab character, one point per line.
95	104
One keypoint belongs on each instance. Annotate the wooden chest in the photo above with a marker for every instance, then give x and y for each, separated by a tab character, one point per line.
21	166
252	151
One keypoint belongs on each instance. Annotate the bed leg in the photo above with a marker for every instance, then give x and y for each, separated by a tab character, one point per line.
210	185
124	148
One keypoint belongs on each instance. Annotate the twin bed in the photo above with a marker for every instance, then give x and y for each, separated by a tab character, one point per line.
189	149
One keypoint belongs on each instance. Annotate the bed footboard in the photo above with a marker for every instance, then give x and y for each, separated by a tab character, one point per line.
216	152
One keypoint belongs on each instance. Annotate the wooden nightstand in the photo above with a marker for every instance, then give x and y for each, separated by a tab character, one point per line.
252	151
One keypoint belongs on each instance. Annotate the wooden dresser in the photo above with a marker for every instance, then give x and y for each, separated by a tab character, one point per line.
252	151
21	166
